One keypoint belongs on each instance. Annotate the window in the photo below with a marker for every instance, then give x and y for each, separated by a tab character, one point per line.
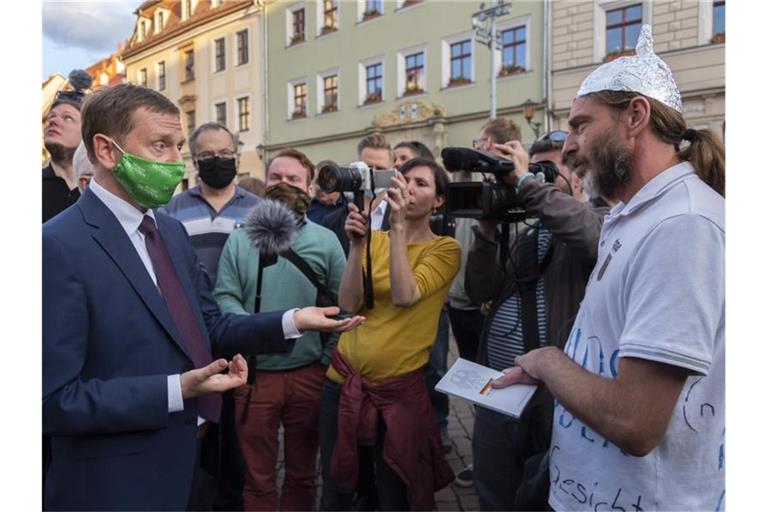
190	122
297	23
219	54
242	47
374	76
513	51
160	21
330	93
161	75
143	77
330	16
221	113
414	73
187	9
189	65
373	8
718	22
215	3
461	63
243	114
622	28
299	101
143	30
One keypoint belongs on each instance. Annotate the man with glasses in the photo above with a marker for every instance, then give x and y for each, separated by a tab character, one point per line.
535	296
210	212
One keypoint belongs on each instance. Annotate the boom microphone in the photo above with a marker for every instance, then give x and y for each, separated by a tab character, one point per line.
271	227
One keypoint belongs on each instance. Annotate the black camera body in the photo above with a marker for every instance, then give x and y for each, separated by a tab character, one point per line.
487	200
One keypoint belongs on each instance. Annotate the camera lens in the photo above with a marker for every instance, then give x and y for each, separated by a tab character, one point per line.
332	178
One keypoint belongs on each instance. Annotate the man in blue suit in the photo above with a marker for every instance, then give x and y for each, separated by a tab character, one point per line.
129	323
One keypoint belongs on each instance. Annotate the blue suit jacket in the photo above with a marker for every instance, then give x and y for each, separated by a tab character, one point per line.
109	345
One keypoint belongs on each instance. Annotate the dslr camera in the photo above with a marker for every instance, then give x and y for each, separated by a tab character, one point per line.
357	178
493	200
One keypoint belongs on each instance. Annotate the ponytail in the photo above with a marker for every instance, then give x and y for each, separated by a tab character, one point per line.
707	155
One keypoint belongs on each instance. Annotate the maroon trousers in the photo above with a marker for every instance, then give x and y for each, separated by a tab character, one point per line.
290	397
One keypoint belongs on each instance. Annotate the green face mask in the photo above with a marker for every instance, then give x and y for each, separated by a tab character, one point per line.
148	182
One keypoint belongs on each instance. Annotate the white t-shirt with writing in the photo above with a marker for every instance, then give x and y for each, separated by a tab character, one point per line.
657	293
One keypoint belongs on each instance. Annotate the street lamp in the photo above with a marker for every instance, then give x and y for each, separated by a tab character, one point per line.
484	25
529	108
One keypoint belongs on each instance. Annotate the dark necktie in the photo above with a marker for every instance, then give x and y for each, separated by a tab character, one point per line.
181	312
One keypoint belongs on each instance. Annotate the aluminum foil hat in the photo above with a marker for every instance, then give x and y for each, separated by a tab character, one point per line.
644	72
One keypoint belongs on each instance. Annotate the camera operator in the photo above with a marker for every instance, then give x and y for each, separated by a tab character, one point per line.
376	152
535	294
375	409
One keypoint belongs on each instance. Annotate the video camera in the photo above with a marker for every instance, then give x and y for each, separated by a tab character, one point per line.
487	199
357	178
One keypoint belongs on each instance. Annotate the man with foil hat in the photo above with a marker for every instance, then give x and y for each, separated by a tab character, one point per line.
639	422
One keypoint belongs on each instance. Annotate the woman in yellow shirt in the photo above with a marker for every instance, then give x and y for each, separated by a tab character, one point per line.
375	397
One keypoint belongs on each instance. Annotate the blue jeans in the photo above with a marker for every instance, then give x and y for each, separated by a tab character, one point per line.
435	370
378	487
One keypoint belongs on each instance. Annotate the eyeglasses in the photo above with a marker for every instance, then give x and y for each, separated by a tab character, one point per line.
224	153
477	143
554	136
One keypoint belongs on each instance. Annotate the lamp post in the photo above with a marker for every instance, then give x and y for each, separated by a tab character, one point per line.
484	25
529	108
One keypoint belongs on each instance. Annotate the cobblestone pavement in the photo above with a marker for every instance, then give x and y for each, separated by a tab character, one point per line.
460	424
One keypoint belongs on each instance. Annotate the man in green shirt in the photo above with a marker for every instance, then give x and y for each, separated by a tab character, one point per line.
286	388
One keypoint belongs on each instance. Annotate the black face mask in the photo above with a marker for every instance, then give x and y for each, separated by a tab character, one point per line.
217	172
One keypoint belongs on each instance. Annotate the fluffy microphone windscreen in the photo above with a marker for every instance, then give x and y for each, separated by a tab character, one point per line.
271	227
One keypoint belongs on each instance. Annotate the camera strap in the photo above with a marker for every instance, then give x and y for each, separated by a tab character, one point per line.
367	271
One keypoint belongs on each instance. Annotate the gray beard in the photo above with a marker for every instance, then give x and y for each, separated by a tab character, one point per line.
60	154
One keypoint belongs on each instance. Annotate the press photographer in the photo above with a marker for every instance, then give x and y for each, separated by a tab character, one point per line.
535	294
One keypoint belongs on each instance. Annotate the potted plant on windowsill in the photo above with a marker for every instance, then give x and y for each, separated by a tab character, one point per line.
408	3
618	53
412	90
511	69
374	97
297	38
327	29
299	113
718	38
368	15
459	80
330	107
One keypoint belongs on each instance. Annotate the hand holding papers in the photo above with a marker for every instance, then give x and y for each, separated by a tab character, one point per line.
472	382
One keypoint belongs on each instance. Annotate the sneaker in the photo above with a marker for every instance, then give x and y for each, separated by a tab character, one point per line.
465	478
446	440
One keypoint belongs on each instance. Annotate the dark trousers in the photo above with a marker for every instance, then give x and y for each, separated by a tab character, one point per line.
435	370
500	446
466	324
222	461
378	487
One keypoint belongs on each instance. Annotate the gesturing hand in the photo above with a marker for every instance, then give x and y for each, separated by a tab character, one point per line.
209	379
318	319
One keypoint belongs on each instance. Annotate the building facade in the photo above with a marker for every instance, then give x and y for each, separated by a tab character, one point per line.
204	55
412	70
109	70
689	36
